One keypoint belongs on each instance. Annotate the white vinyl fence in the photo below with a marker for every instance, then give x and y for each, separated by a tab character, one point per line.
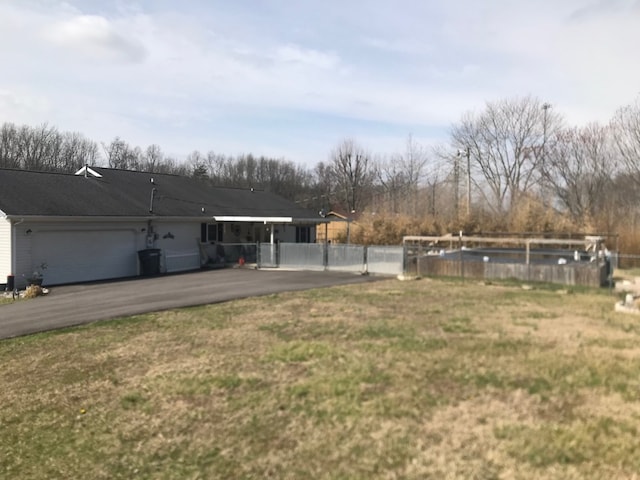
181	261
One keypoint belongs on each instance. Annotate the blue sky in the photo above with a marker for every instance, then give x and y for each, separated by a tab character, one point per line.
291	79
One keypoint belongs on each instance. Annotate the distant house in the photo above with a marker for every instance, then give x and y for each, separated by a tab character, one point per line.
91	225
338	229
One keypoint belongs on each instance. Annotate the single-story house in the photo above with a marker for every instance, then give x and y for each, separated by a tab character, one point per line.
91	225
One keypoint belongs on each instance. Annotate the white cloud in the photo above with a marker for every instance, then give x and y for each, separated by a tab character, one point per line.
398	45
93	35
181	73
313	58
23	105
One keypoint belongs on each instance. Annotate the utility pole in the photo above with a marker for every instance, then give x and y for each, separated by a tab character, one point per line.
468	182
456	182
467	153
545	110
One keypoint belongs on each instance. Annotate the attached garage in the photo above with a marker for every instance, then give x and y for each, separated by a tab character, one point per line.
84	255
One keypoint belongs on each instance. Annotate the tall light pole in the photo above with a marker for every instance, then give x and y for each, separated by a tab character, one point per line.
466	152
456	185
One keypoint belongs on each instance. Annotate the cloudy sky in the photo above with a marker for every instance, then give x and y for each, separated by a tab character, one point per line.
291	79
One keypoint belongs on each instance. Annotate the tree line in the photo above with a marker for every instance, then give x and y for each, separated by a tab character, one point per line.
514	165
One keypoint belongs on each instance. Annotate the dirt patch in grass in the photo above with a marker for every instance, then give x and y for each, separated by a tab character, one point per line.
425	379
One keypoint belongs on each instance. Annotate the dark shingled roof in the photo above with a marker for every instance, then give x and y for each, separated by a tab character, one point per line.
123	193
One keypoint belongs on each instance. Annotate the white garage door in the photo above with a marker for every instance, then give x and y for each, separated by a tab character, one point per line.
83	255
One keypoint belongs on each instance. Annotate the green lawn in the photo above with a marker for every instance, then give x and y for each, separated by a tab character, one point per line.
424	379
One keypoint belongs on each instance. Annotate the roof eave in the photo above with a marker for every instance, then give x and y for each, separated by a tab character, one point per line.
252	218
311	220
145	218
102	218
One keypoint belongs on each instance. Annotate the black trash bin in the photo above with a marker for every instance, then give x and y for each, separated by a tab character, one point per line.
150	261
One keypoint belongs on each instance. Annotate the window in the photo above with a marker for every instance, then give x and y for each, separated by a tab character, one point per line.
303	234
211	232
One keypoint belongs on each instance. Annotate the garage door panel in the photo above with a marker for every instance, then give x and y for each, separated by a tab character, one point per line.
81	256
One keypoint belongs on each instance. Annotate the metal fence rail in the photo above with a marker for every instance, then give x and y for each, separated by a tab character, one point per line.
321	256
348	258
569	267
306	256
385	260
267	255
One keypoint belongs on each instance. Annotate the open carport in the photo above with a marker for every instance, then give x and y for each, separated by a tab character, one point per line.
79	304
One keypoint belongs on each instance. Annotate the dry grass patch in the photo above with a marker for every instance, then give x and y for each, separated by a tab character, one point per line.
425	379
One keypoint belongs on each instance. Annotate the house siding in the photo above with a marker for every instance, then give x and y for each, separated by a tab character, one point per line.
5	249
179	244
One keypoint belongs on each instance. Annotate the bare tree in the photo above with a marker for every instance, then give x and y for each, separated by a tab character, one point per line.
9	146
152	158
354	174
580	169
506	144
37	147
626	134
216	167
172	166
320	191
197	165
414	162
44	148
120	155
400	177
394	181
76	151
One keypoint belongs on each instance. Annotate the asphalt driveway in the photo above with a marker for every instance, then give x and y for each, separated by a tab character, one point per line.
72	305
